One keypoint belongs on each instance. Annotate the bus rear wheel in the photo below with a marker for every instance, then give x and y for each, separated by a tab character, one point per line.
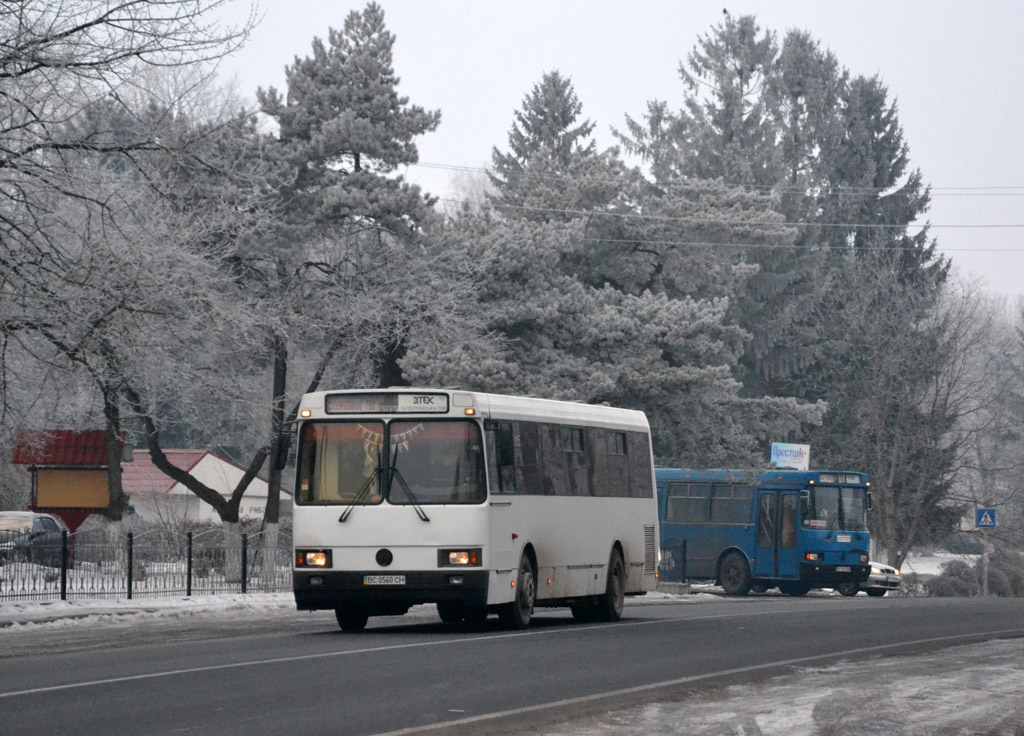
517	614
609	605
352	619
734	574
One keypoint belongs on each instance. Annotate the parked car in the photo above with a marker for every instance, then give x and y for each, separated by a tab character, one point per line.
882	579
28	536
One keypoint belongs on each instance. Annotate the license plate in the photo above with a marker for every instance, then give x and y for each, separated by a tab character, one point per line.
384	580
843	568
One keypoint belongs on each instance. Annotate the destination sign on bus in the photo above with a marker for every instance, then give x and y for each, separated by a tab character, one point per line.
386	403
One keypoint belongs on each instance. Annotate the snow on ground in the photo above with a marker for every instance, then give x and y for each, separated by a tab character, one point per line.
976	689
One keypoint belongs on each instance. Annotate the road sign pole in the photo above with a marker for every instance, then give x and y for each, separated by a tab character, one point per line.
984	563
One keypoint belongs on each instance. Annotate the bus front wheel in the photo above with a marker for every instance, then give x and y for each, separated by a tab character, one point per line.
734	574
352	619
450	612
517	614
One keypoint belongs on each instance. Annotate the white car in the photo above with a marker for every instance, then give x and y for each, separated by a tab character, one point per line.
882	579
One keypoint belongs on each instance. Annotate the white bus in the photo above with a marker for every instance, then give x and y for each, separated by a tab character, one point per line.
478	503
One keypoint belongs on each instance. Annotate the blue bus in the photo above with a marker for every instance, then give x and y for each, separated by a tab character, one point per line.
746	530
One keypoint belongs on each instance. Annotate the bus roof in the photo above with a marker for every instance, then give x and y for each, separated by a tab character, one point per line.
763	477
500	406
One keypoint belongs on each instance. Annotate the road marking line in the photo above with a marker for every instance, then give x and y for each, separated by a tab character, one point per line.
394	647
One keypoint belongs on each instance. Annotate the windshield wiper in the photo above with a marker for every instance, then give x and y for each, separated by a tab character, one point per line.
363	491
394	473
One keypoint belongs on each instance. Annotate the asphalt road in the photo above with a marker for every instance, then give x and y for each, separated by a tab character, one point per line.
300	675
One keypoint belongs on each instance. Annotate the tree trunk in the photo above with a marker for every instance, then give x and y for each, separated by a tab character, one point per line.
111	411
269	568
232	552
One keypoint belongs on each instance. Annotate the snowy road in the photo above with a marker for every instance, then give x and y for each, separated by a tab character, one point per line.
973	689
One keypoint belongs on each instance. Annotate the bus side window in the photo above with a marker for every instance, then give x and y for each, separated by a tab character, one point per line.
638	455
687	502
529	468
503	455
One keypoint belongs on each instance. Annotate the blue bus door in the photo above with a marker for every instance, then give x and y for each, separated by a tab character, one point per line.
776	555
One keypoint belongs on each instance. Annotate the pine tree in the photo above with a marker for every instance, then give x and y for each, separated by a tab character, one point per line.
573	283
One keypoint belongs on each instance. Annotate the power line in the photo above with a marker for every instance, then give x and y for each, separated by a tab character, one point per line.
956	191
786	246
737	223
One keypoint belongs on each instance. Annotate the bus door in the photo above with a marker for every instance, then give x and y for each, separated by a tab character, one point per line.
502	488
776	554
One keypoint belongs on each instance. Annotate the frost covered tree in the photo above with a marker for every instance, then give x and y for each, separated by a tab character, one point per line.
144	309
788	122
57	61
356	281
575	283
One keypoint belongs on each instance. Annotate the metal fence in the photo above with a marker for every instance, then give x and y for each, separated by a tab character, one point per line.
152	563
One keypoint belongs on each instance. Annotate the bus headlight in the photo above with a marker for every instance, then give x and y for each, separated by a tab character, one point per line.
312	558
468	557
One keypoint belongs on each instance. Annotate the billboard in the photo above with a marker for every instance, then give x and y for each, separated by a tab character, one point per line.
790	457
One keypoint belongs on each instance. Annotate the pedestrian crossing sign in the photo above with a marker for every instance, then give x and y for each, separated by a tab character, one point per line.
986	519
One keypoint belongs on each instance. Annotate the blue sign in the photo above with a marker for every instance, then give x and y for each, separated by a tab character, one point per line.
986	519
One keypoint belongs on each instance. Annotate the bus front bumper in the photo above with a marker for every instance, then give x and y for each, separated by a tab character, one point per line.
823	574
321	589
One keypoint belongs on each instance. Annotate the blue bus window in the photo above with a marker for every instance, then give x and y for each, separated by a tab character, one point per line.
730	503
687	502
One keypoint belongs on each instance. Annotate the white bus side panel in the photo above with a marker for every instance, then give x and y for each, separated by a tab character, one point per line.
572	539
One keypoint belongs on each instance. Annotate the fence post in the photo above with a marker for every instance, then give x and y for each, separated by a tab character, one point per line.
131	564
245	560
188	566
64	565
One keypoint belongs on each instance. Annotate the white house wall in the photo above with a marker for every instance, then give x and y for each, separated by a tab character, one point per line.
214	473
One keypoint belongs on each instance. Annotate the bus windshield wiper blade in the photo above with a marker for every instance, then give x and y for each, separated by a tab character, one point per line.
395	473
365	489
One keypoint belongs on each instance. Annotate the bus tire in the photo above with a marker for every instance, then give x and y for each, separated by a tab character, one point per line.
517	614
794	588
450	612
734	574
353	619
609	605
848	589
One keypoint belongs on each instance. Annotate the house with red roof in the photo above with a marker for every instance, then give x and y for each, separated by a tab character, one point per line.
156	497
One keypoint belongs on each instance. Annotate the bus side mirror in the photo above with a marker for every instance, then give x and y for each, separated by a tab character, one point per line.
871	501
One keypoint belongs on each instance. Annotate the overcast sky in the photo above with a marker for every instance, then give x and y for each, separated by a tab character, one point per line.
953	67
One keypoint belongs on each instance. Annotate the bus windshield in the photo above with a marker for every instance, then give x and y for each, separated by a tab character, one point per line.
834	507
408	462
